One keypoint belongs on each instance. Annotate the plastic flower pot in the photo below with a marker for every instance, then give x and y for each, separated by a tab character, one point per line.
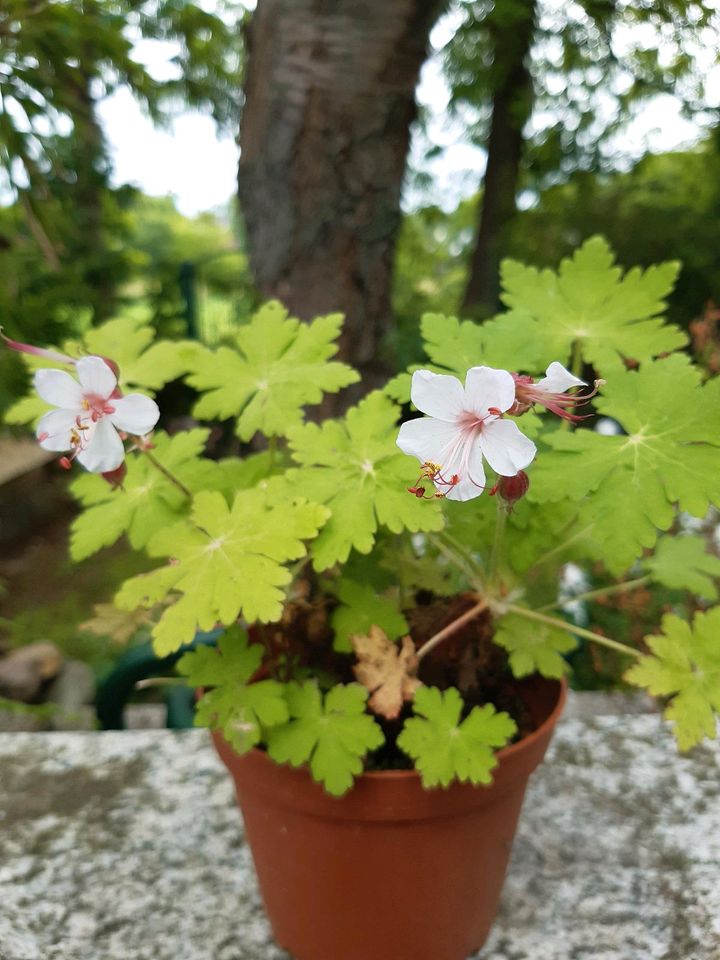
390	871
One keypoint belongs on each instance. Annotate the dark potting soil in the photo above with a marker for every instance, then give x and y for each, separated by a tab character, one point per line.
468	660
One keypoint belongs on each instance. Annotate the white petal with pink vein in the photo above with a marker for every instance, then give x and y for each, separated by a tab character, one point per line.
464	426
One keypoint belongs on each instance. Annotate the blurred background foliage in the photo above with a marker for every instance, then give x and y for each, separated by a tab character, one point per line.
545	90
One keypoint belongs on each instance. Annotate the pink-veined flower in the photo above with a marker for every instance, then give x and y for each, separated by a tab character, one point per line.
90	414
463	426
550	392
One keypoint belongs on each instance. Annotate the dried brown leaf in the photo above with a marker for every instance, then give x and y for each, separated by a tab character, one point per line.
119	625
386	669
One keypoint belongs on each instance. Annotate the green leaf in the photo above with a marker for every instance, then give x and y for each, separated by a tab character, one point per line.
588	301
333	735
534	647
354	466
277	366
444	748
237	705
145	366
361	608
224	562
684	664
507	342
669	457
682	562
147	502
453	346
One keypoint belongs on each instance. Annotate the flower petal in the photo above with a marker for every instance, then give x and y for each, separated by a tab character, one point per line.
437	394
59	388
505	448
471	473
104	450
427	438
55	427
557	379
96	377
487	387
135	413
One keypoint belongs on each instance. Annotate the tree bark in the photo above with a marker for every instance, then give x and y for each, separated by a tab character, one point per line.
512	105
329	99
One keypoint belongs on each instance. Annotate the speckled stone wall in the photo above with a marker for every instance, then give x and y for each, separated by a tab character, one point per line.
128	846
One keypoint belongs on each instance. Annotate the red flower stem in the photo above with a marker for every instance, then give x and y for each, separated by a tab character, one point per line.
452	628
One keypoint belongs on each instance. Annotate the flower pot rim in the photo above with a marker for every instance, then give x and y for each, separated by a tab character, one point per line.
399	794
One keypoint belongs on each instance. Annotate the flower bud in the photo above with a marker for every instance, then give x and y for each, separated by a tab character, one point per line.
115	477
512	489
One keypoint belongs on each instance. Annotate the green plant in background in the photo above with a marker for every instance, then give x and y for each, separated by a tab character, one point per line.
382	615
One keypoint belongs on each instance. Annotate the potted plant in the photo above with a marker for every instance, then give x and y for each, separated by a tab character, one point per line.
397	642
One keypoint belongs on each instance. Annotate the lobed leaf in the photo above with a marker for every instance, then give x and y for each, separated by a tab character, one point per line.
147	502
354	466
590	303
682	562
276	367
361	608
224	561
241	707
331	734
445	748
534	647
630	485
684	665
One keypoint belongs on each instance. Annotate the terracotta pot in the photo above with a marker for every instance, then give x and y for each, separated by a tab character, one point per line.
389	871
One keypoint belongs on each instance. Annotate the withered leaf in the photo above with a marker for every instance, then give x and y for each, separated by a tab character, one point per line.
388	670
119	625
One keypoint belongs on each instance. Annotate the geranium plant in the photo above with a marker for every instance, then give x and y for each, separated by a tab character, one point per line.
382	583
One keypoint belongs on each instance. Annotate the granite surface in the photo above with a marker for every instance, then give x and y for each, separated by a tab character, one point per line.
128	846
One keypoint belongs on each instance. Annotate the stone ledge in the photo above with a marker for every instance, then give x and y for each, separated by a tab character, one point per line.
128	846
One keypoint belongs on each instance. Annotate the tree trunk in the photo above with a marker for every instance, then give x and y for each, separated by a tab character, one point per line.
512	105
329	99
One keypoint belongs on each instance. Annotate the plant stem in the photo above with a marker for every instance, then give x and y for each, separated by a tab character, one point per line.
453	552
568	542
452	628
149	682
165	472
500	521
571	628
272	450
577	364
600	592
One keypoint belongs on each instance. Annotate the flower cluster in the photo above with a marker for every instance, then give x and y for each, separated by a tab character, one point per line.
466	426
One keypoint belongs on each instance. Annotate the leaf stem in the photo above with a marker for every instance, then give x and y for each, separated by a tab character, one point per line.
500	522
577	360
453	552
272	450
600	592
164	470
558	548
452	628
571	628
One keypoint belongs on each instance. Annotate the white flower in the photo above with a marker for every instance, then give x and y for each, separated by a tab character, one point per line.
550	392
463	426
90	413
